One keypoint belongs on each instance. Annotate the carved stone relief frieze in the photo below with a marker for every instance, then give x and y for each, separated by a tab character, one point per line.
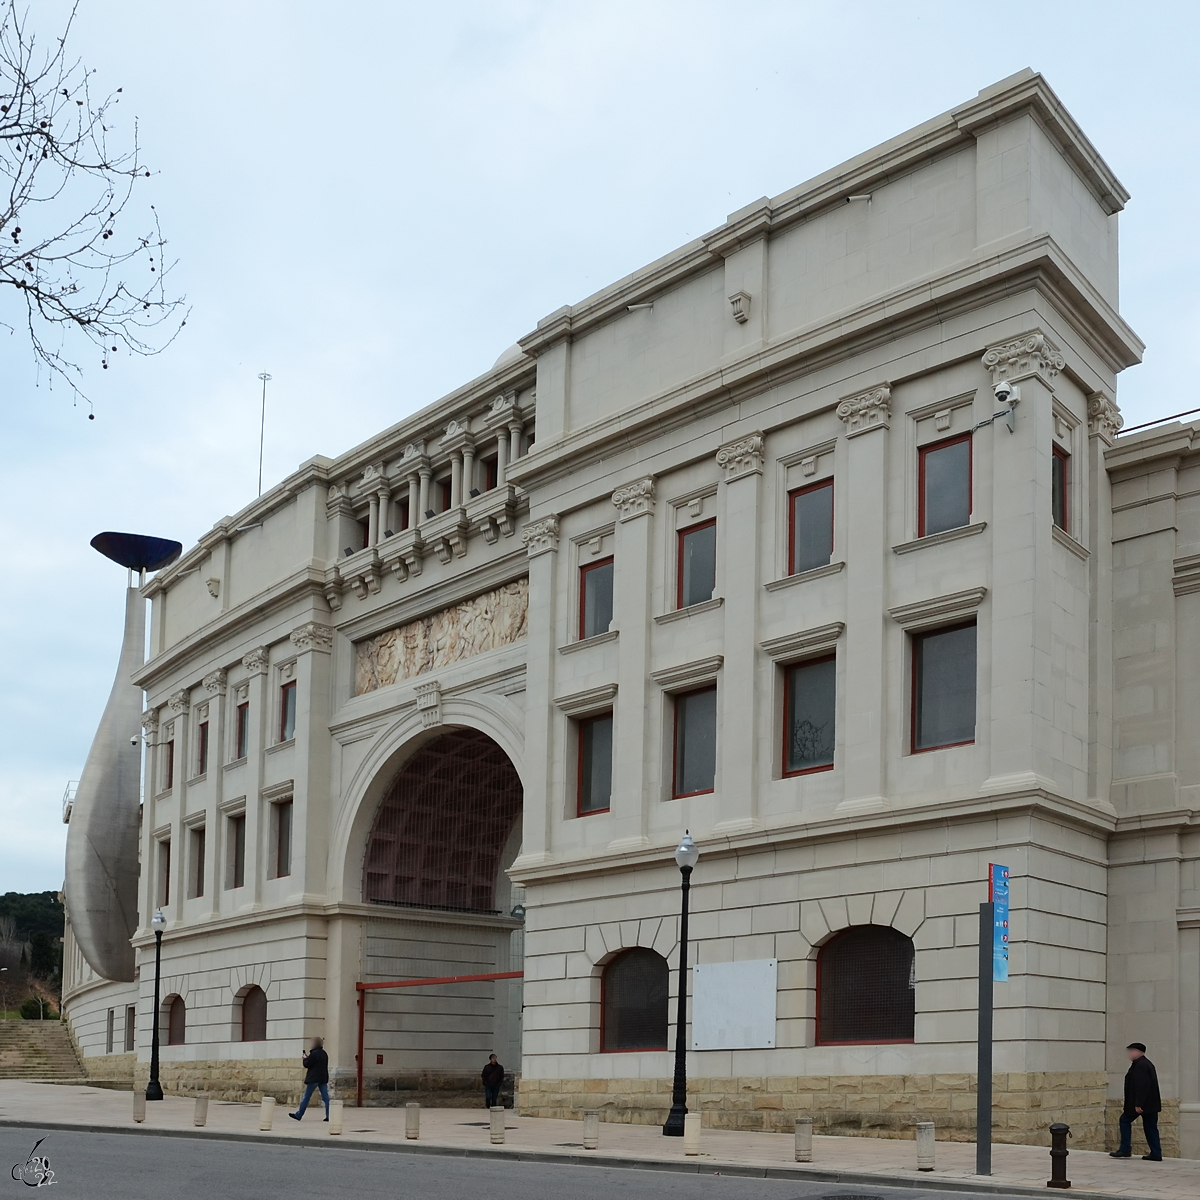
486	622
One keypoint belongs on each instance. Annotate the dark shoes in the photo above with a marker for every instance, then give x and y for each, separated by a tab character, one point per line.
1151	1158
294	1116
326	1118
1121	1154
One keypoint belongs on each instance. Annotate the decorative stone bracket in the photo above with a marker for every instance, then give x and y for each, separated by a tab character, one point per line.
429	703
541	537
867	410
1028	355
743	457
739	302
634	499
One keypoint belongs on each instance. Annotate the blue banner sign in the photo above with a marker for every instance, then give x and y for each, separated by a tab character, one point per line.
998	895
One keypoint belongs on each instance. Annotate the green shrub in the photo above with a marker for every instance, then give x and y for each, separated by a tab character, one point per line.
32	1009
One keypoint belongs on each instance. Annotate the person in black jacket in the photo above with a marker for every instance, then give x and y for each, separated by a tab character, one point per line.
493	1077
1142	1099
316	1075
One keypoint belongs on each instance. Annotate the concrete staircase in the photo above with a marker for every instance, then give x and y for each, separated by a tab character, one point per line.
37	1050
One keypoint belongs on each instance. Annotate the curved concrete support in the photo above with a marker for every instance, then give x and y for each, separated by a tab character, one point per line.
102	837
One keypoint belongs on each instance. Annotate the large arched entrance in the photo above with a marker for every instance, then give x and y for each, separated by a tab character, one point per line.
434	872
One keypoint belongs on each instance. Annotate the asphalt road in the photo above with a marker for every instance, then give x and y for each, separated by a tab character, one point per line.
116	1166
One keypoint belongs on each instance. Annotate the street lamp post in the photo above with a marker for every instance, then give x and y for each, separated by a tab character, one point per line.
154	1088
686	856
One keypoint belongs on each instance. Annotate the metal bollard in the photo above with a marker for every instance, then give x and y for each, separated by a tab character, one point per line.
497	1125
1058	1155
266	1114
591	1129
925	1146
336	1108
691	1133
139	1106
804	1139
412	1121
200	1116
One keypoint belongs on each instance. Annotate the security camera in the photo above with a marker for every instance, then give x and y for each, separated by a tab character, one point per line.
1006	393
133	741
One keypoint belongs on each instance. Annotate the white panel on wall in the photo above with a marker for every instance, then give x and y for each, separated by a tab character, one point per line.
733	1005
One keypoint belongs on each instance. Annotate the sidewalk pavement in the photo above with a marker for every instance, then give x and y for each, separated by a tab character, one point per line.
883	1162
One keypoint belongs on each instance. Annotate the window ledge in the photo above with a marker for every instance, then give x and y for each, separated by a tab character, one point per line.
1063	538
595	640
281	746
804	576
198	778
687	675
237	762
164	794
690	611
936	539
594	700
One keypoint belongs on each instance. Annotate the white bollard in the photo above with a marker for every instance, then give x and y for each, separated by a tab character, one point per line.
925	1146
497	1125
804	1139
200	1116
139	1107
412	1121
335	1115
691	1133
591	1129
266	1114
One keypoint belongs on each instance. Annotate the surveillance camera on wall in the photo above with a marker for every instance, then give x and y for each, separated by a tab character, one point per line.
1006	393
133	741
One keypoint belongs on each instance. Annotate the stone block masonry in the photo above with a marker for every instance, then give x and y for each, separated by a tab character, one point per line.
1025	1104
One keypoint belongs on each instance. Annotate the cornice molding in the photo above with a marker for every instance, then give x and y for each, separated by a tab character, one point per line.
592	700
803	644
689	674
1186	575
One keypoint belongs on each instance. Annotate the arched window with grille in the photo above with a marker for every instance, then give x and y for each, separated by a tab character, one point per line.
635	987
866	987
176	1021
254	1015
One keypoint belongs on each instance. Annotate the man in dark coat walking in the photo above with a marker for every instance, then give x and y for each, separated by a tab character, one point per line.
1142	1099
316	1075
493	1077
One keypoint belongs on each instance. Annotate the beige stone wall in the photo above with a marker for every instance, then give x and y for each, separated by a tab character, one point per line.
1024	1104
248	1079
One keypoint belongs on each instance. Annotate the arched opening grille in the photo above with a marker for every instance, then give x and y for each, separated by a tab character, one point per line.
866	986
442	826
254	1015
636	987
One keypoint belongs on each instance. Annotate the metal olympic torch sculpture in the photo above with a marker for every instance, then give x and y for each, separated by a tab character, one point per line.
102	837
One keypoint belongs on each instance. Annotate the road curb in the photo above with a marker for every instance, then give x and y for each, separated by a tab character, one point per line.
575	1159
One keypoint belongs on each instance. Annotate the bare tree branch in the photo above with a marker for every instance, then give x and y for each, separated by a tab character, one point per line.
60	246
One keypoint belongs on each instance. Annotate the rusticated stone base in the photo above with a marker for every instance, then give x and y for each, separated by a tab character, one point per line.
432	1089
1168	1128
1024	1105
249	1080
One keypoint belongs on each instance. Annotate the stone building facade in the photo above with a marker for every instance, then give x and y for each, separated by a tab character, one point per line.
816	538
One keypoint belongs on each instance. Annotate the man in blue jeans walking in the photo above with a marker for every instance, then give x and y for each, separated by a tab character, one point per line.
1142	1099
316	1065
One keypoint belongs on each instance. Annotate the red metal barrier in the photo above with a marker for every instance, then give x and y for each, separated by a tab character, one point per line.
363	988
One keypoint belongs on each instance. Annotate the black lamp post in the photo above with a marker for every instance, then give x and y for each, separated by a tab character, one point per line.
154	1088
686	855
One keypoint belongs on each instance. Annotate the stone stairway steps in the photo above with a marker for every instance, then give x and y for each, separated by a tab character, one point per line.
37	1050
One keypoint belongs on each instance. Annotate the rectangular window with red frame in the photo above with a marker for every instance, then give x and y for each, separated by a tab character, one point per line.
695	758
169	771
697	564
943	687
944	486
595	598
444	494
489	474
401	510
202	748
595	764
1059	482
287	711
810	518
241	736
809	723
164	872
282	821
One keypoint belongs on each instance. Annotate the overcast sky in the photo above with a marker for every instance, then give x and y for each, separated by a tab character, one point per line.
371	200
